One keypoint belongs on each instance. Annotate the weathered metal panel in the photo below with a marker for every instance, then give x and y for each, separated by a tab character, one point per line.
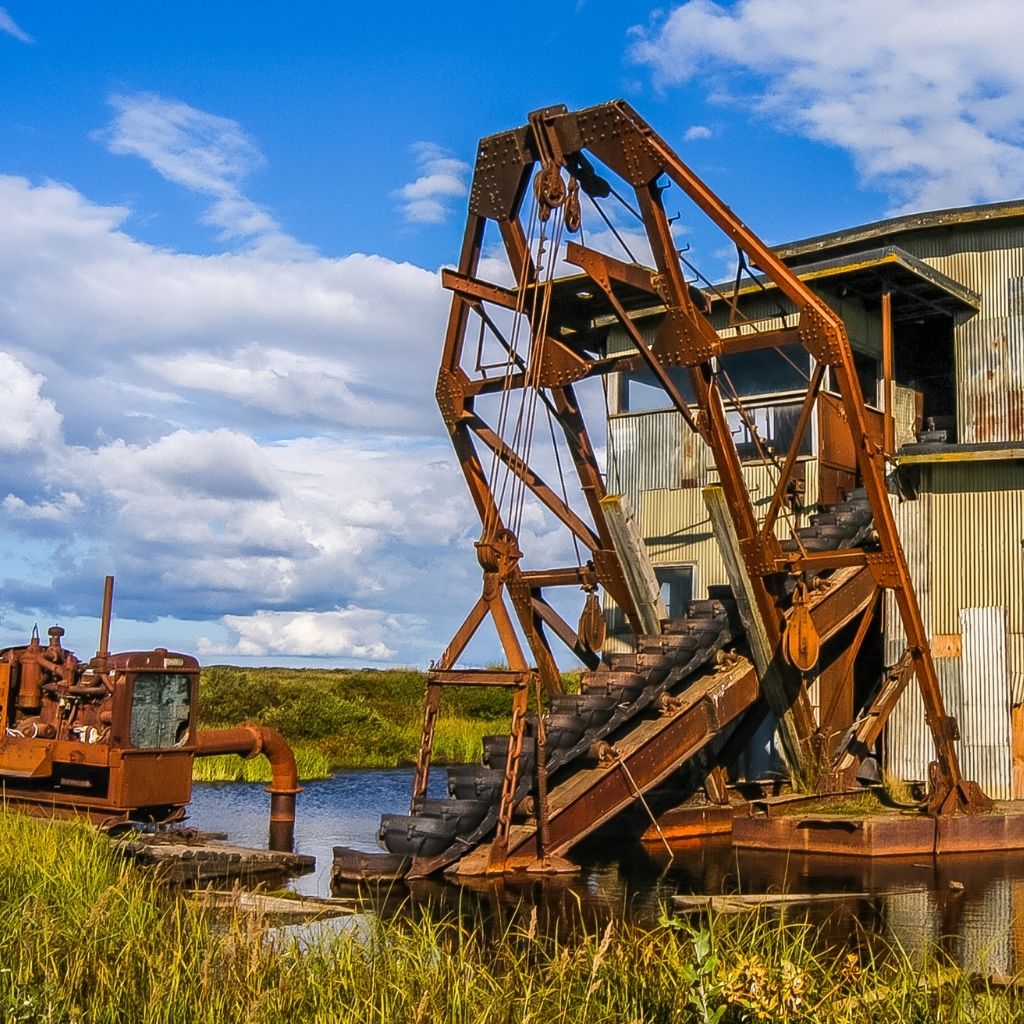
990	346
913	523
984	715
653	451
1015	666
676	526
904	410
990	405
976	529
978	257
909	746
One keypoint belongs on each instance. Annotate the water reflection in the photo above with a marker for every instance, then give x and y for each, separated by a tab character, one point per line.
972	907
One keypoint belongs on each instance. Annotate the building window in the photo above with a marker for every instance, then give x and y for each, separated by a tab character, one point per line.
766	372
676	582
775	426
676	588
642	393
1015	305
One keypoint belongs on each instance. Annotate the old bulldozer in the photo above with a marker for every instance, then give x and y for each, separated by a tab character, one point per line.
114	738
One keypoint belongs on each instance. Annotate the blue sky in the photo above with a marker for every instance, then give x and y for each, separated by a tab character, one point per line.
219	307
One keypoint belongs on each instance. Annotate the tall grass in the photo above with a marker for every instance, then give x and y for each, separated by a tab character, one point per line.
86	938
311	763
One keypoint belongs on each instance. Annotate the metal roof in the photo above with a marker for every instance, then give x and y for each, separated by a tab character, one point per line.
918	289
901	225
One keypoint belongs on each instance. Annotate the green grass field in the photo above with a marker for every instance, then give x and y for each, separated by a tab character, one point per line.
344	718
87	939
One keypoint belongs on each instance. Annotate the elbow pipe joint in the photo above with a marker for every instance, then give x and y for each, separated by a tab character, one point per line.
250	740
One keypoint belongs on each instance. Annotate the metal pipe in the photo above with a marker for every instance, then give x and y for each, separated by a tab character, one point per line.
250	740
889	428
108	601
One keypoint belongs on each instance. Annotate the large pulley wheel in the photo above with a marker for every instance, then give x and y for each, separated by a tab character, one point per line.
592	630
801	644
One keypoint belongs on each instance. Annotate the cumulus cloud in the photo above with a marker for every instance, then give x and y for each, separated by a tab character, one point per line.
201	523
247	440
207	154
697	132
30	421
11	27
441	177
341	633
927	95
241	433
301	339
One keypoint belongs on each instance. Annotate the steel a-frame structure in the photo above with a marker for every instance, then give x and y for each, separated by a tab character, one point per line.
528	183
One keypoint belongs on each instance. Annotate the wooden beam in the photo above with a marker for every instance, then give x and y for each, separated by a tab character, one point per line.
636	565
785	694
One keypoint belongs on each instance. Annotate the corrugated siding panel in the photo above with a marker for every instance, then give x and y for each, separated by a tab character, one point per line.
913	523
909	746
989	364
904	414
1015	666
976	528
676	526
985	262
653	451
975	691
984	716
989	346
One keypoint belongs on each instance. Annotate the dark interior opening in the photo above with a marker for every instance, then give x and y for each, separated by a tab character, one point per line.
923	359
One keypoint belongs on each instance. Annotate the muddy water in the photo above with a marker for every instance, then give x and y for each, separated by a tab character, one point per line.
972	907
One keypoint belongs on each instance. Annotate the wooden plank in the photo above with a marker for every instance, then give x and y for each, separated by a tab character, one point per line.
743	903
769	670
636	563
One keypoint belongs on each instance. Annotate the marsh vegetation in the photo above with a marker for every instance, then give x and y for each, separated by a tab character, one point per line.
343	718
86	937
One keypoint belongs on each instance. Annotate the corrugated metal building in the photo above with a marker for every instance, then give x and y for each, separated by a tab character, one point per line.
955	281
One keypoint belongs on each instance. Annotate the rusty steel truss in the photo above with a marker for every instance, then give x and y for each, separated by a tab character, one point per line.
530	184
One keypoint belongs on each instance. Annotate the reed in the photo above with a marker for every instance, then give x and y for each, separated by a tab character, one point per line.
311	763
86	938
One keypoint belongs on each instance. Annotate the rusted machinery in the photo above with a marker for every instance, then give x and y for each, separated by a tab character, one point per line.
114	737
522	344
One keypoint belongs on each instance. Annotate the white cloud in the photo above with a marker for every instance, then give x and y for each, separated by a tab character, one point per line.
205	153
343	633
348	341
30	421
11	27
57	511
926	95
248	440
230	434
696	133
441	177
199	523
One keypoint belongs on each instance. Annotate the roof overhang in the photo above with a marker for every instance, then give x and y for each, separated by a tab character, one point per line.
917	288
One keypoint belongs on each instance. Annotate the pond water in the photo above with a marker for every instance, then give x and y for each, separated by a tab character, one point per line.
972	906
